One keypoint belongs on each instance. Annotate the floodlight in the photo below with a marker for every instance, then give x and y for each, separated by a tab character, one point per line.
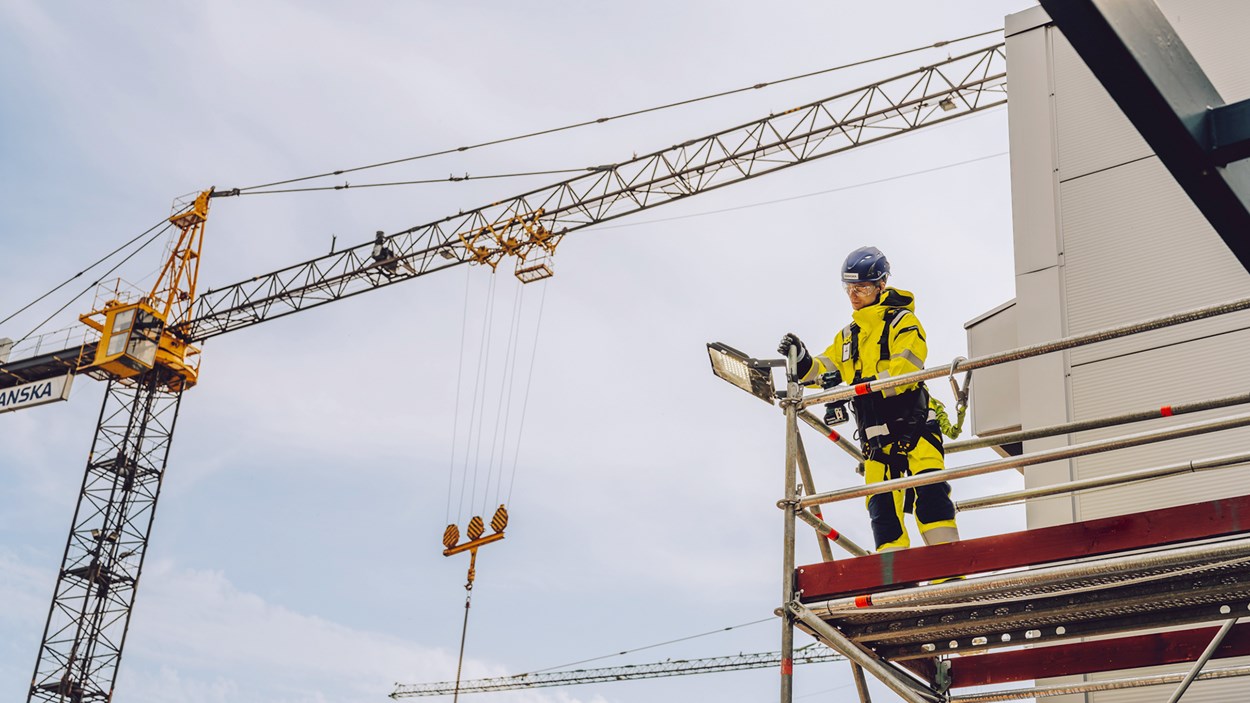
946	104
751	375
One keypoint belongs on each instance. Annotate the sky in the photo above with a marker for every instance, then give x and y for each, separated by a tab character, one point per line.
296	554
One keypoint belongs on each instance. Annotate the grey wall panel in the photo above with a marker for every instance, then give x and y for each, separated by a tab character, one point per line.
1033	181
1135	247
1043	389
995	396
1093	133
1219	691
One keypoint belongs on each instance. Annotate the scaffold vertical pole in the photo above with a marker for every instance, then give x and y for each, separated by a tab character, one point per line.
789	507
861	684
805	473
826	552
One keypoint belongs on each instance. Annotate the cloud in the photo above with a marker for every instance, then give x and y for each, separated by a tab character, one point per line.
199	639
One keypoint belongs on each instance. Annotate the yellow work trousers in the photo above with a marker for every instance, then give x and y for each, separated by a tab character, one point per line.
931	504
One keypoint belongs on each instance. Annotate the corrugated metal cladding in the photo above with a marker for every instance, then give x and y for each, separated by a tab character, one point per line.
1093	134
1135	247
1157	378
1224	691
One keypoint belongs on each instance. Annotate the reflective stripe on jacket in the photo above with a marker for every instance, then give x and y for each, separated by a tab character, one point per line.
908	349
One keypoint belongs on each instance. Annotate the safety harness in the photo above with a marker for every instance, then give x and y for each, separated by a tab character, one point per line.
890	417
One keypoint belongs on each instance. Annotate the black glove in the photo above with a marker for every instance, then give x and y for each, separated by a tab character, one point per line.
804	359
791	340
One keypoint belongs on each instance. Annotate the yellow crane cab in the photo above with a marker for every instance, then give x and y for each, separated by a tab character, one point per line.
129	339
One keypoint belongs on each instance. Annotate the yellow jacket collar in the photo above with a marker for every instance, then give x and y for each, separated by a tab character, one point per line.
890	298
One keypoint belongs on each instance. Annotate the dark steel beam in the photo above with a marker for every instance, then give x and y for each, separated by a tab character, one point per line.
1229	133
1146	68
45	366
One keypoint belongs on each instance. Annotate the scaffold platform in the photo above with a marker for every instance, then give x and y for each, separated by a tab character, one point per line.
1028	595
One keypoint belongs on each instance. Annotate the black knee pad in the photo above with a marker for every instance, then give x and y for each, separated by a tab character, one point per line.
933	503
885	523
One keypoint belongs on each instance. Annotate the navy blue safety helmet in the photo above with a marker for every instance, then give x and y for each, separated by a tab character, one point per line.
864	265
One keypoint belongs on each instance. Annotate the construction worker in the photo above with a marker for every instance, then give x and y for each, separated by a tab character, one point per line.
897	427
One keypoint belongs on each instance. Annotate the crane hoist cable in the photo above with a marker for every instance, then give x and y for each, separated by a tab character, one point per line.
499	521
516	454
499	379
505	397
631	113
455	422
480	388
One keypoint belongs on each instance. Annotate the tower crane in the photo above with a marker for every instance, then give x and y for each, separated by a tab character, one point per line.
811	654
144	347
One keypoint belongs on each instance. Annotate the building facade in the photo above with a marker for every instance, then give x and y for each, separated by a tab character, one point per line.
1104	236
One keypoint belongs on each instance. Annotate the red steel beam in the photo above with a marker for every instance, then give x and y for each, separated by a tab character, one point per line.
1101	655
888	570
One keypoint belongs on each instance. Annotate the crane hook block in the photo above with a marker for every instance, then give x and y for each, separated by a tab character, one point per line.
451	535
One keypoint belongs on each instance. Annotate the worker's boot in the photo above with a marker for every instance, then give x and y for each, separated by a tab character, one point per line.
942	535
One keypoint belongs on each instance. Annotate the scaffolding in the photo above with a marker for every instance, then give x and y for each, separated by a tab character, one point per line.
1165	586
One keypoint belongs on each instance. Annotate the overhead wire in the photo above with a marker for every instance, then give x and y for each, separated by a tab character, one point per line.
69	280
424	181
649	646
118	265
631	113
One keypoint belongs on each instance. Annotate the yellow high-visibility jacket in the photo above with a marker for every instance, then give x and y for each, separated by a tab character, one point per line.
906	343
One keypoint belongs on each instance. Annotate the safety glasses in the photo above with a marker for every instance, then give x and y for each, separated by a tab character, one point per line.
861	288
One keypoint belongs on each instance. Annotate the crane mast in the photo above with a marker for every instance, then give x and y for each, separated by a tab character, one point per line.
145	359
146	353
